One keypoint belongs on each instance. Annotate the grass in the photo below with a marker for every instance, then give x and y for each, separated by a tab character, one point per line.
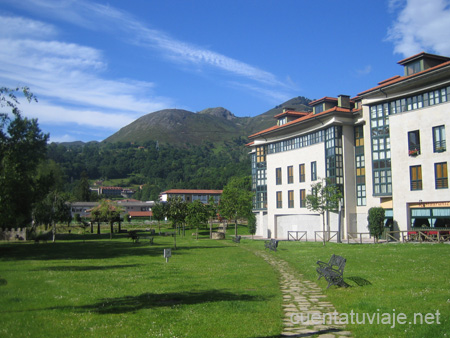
90	286
383	278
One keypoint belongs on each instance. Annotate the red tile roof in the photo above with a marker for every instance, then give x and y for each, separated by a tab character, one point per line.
302	119
192	191
140	213
323	99
420	55
292	113
397	79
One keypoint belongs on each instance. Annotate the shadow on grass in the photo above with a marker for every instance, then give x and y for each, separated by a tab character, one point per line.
151	300
359	281
3	281
308	334
76	250
86	268
90	250
144	301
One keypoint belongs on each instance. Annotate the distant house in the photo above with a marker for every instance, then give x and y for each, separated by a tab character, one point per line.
190	195
111	192
82	208
132	207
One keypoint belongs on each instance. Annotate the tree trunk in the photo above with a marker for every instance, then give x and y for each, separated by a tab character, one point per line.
210	229
98	228
54	232
323	228
111	229
235	227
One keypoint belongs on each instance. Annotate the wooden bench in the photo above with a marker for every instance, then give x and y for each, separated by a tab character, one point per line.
136	238
333	271
237	239
271	245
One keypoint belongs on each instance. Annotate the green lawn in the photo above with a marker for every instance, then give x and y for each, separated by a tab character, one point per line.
101	287
383	278
115	288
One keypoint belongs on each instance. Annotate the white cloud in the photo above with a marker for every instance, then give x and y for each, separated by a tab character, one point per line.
96	16
58	115
68	74
364	71
421	26
21	27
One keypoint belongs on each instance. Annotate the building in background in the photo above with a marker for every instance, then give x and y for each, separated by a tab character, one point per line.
385	147
190	195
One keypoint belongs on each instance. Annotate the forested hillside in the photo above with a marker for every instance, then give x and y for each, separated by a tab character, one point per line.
151	166
168	149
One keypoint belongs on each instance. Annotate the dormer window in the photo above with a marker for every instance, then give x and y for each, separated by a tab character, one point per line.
420	62
413	68
318	109
282	121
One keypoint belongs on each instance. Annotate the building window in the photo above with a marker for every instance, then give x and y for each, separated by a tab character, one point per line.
439	145
278	176
361	194
414	143
318	109
381	149
290	198
313	171
302	198
334	163
360	166
301	169
290	171
279	200
261	152
413	67
441	175
416	177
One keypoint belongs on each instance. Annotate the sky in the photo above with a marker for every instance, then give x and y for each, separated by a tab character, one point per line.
96	66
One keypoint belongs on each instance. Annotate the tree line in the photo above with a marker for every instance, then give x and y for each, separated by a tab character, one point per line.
36	176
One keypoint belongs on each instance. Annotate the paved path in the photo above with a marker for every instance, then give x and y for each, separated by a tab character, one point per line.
303	300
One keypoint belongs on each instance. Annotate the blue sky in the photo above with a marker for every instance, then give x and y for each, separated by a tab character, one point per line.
96	66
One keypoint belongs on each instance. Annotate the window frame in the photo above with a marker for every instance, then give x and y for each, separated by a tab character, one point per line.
302	198
314	171
301	173
439	142
279	200
290	174
290	199
278	176
441	175
414	142
415	178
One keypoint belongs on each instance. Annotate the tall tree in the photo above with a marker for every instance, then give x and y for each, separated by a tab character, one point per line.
83	191
197	215
212	209
106	211
324	197
375	221
22	147
159	212
236	200
177	211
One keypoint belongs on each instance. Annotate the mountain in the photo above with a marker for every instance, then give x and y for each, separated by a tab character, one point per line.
180	127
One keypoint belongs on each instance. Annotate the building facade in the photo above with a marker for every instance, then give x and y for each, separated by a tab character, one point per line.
190	195
385	147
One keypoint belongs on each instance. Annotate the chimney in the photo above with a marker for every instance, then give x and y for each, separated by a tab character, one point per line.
344	101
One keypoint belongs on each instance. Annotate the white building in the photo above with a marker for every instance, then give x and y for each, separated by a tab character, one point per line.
366	145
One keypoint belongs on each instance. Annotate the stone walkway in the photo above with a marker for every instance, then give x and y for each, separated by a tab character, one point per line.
307	313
